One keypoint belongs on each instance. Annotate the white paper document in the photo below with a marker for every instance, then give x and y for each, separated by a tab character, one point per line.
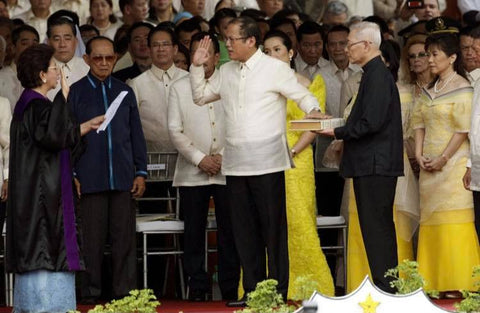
112	109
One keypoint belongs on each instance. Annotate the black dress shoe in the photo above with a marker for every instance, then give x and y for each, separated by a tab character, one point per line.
238	303
196	295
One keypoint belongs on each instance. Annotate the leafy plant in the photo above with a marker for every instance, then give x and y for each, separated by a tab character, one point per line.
303	287
471	303
265	299
139	301
407	279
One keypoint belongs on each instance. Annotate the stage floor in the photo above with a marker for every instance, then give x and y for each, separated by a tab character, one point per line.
170	306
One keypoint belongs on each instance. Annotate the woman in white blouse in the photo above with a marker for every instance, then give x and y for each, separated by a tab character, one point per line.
102	17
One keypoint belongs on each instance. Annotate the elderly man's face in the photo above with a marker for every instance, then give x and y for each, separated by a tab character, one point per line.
476	48
25	40
101	59
336	42
355	48
469	56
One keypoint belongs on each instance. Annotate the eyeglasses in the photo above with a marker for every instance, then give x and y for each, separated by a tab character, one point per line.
350	45
161	44
413	56
103	58
308	45
53	68
233	39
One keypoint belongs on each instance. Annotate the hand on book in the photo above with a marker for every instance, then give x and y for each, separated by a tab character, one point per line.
317	116
326	132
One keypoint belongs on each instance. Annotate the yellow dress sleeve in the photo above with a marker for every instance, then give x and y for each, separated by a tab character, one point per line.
462	110
317	88
417	118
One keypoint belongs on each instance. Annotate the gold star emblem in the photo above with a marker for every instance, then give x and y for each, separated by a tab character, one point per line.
369	306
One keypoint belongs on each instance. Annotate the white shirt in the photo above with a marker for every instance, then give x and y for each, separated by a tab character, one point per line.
468	5
254	98
81	7
40	24
474	136
361	8
152	90
10	86
124	62
22	6
112	29
309	71
5	119
334	78
74	70
473	76
195	131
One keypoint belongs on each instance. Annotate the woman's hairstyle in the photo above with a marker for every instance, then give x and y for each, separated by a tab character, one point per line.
32	61
153	15
112	18
410	76
450	45
283	38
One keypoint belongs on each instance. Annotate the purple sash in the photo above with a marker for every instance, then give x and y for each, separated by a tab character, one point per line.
70	232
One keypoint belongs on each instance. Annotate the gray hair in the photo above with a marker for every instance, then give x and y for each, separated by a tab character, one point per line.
336	8
367	31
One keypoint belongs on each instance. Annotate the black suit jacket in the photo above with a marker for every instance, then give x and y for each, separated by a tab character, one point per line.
372	135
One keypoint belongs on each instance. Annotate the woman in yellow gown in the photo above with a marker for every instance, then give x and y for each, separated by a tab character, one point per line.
447	244
305	255
405	204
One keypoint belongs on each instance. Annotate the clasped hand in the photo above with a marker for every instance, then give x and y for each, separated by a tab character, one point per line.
211	164
431	164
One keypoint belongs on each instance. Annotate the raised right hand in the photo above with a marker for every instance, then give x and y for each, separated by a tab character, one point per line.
201	54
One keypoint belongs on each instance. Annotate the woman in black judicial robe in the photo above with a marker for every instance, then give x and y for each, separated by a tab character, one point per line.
42	248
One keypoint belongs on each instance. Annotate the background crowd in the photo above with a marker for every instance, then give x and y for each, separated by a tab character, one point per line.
196	77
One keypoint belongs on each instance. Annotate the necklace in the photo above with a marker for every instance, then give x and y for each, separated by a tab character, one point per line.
101	29
447	81
420	85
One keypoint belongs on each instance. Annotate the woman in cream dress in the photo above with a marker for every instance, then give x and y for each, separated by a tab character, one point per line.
447	245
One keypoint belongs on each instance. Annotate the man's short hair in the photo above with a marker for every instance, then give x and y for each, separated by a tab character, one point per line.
88	47
338	29
254	14
199	36
310	28
248	28
123	3
188	26
88	28
276	22
58	22
475	32
24	28
135	26
165	29
369	31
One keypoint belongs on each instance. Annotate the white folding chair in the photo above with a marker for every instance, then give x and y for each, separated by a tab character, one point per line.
160	168
336	223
